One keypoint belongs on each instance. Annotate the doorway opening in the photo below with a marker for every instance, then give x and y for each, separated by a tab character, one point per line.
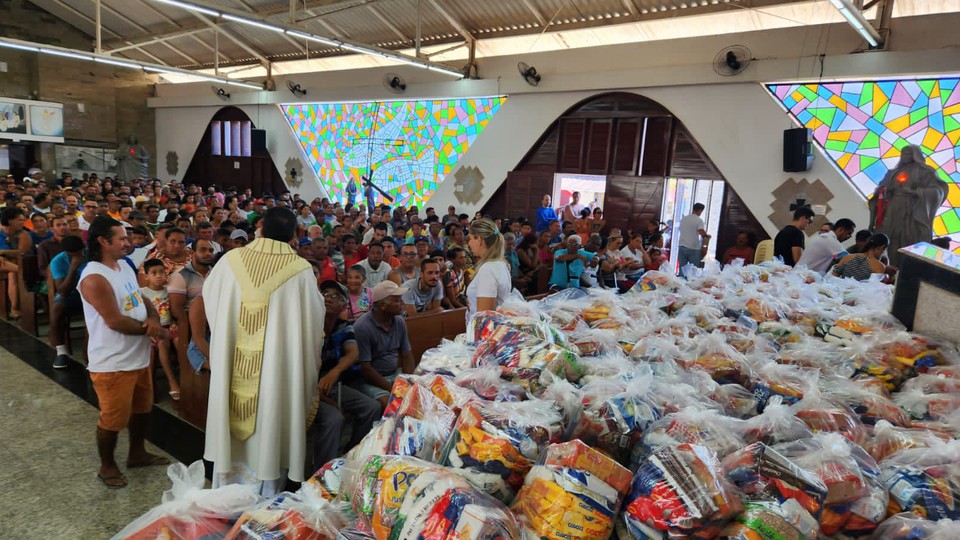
679	196
592	189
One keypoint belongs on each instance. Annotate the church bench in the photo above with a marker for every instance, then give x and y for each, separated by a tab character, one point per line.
28	282
427	331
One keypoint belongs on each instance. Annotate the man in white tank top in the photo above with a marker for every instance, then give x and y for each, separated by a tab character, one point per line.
119	323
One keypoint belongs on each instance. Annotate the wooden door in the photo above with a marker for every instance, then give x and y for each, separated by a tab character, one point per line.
520	194
631	201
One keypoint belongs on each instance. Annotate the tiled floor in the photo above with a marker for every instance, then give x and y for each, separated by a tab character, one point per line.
48	457
49	463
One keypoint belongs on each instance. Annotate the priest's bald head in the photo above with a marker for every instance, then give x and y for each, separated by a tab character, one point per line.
279	223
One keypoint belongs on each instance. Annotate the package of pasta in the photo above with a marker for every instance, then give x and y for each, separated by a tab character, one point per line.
778	423
856	499
889	439
681	491
494	444
574	491
440	505
789	383
922	406
822	413
910	527
326	481
398	391
761	473
692	425
924	481
187	510
772	520
290	516
377	491
482	325
484	381
614	416
522	357
449	358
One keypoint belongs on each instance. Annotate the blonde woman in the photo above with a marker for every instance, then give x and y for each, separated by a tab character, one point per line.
491	283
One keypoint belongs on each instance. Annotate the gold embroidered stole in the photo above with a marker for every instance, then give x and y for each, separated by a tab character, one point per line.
260	268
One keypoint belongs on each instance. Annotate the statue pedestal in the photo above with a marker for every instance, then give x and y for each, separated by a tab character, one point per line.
927	296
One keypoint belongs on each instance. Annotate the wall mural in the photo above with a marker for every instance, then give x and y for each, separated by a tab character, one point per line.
411	146
863	125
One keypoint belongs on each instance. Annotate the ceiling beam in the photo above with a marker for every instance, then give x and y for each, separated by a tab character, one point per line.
181	53
209	47
631	7
140	27
232	36
454	22
188	33
90	20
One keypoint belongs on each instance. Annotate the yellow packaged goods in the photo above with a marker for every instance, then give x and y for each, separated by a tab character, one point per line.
379	487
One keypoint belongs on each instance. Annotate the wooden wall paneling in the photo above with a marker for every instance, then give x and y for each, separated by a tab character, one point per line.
734	218
689	159
599	142
656	147
631	201
626	146
520	194
545	153
572	138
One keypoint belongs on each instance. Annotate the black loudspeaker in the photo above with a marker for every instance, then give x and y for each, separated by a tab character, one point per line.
258	141
797	149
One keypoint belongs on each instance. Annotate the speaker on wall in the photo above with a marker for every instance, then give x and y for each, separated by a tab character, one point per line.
797	149
258	141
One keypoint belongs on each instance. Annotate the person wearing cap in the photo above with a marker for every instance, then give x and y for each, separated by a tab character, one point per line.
338	358
383	343
264	311
238	239
569	263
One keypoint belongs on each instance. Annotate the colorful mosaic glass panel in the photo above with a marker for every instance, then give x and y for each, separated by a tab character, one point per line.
410	145
863	125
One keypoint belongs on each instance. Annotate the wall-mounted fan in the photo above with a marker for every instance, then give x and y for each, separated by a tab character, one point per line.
529	73
394	83
220	93
295	89
732	60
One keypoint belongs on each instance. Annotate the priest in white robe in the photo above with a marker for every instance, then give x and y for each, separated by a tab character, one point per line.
266	333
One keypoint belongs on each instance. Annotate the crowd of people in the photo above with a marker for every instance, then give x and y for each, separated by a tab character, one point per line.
136	258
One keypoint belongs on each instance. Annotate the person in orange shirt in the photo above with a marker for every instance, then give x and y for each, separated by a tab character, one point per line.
390	254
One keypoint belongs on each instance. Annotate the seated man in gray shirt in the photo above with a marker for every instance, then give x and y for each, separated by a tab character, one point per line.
425	292
383	342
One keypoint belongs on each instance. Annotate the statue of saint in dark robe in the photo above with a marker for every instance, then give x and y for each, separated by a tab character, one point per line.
906	201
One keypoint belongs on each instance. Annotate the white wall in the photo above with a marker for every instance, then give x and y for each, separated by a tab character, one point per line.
733	119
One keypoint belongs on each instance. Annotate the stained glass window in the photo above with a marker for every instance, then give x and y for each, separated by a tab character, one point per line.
863	125
411	146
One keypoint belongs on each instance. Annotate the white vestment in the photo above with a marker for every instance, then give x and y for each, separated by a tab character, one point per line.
288	371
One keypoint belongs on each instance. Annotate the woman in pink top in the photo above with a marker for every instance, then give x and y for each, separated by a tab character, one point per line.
360	298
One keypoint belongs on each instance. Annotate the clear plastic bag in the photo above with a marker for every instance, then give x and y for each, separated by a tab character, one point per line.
760	520
822	413
869	401
789	383
681	490
449	358
574	491
188	511
494	444
856	499
722	362
924	481
776	424
889	439
614	416
523	357
327	480
702	427
299	516
910	527
923	406
761	473
485	382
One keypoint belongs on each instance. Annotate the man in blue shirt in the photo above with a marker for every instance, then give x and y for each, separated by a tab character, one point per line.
65	269
545	214
569	263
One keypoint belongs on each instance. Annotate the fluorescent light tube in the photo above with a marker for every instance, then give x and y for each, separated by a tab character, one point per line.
162	70
356	49
191	7
251	22
66	54
311	37
18	46
117	63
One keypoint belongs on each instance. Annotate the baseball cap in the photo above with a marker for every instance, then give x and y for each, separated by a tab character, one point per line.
331	284
386	289
239	233
305	241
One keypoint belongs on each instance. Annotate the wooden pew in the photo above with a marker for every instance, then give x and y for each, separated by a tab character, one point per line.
28	281
4	314
427	331
194	390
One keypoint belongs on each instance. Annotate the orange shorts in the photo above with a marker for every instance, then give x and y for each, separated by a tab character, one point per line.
121	394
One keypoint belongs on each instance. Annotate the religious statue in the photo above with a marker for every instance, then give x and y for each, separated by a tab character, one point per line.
906	201
132	160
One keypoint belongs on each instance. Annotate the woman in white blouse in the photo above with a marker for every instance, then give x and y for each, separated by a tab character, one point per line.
491	282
